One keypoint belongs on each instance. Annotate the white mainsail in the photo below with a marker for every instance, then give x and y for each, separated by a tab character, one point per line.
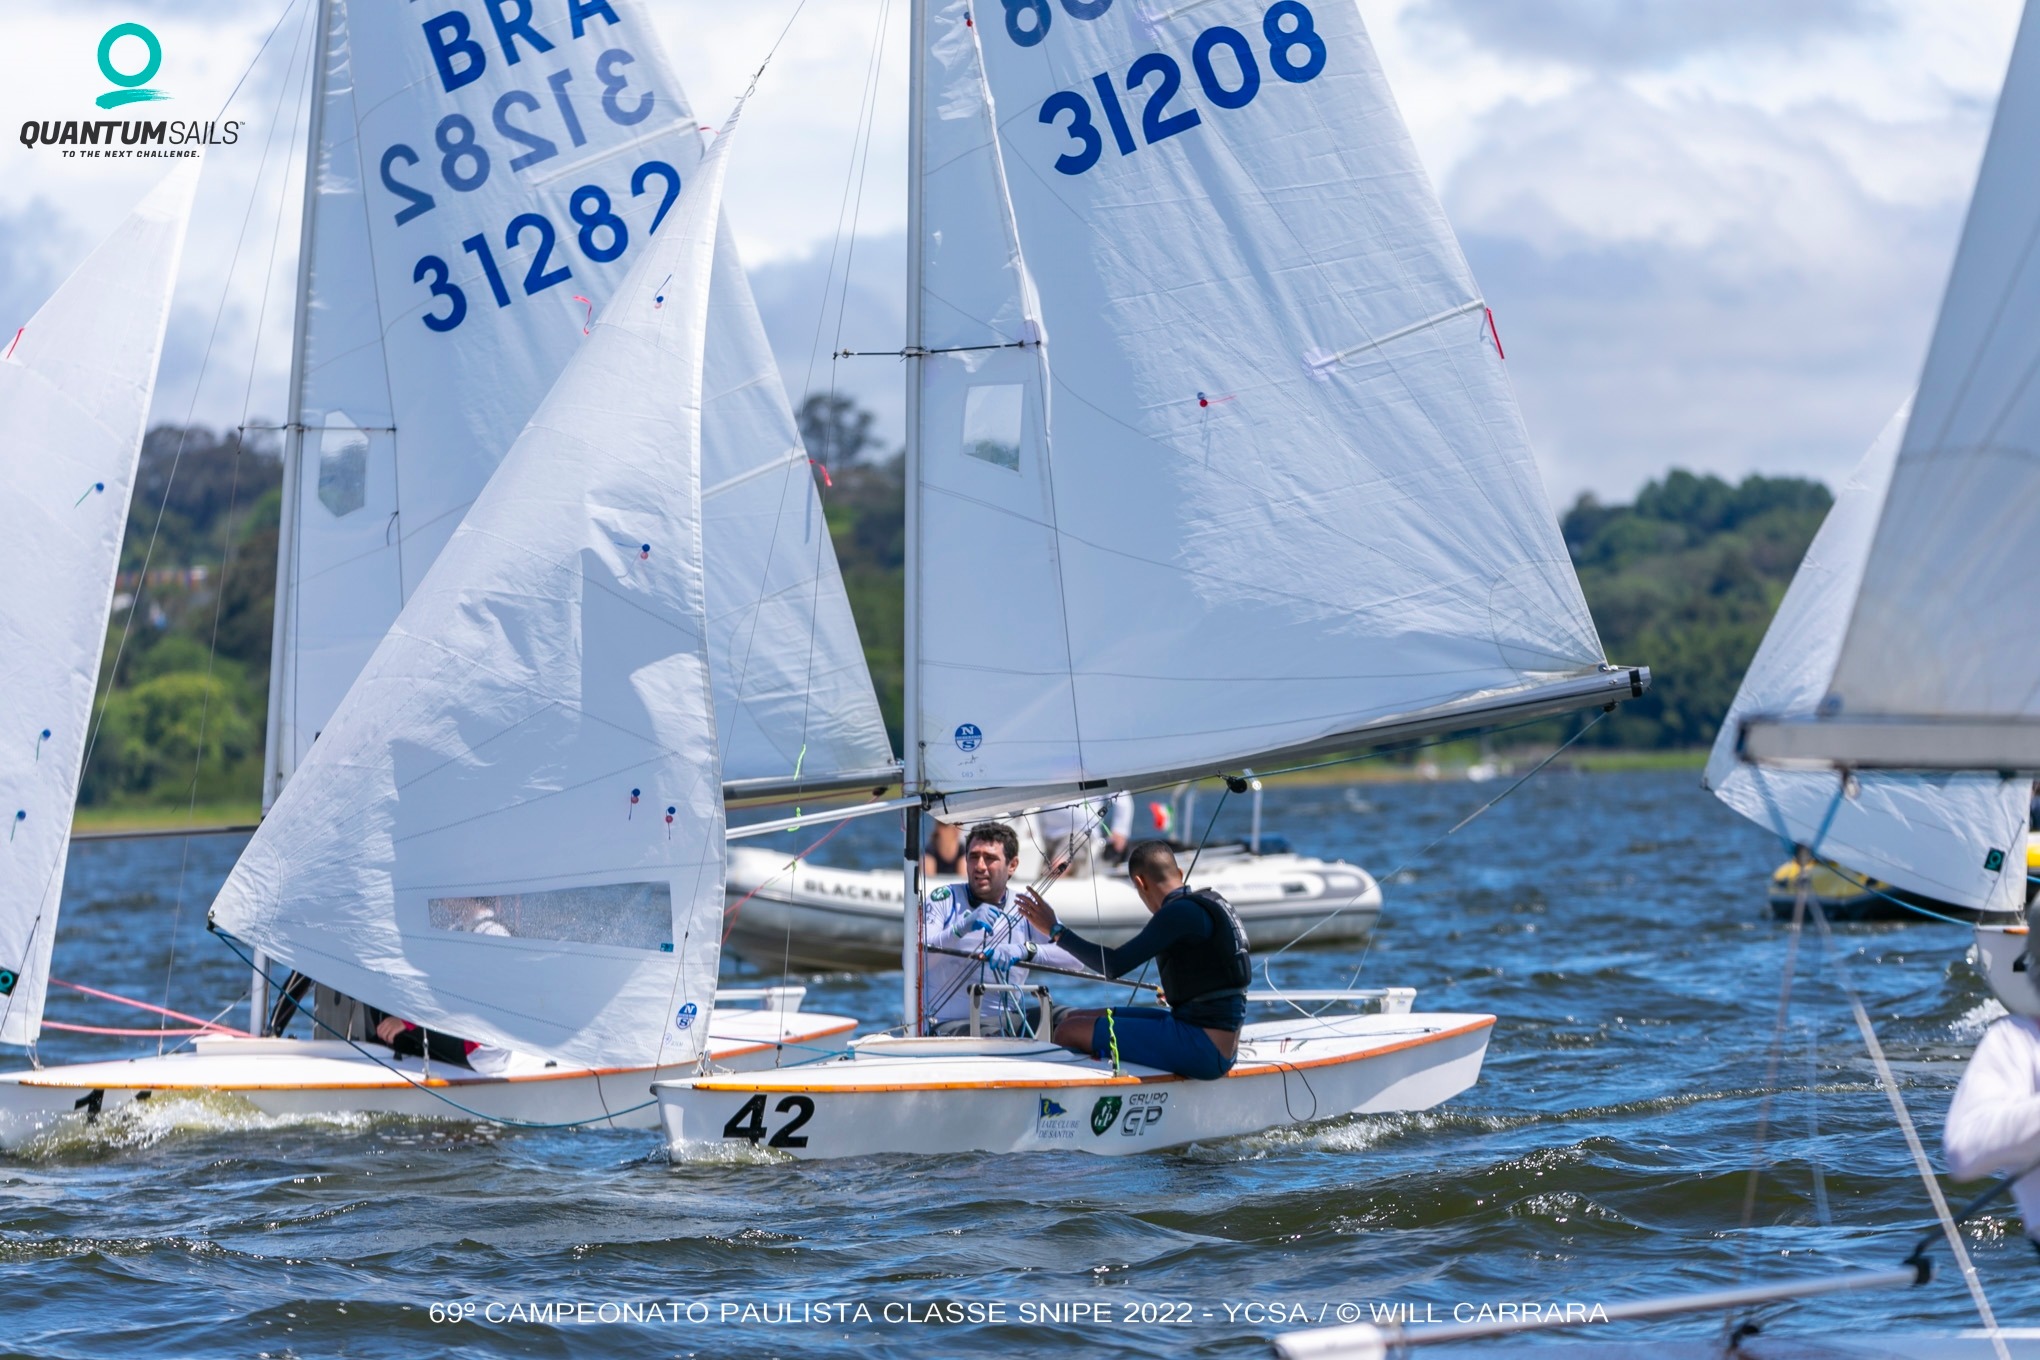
481	180
1958	838
1211	420
75	386
512	828
1940	666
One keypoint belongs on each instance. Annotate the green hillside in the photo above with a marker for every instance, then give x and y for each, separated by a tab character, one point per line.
184	710
1685	581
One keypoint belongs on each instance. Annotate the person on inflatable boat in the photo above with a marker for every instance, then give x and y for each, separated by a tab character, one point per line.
1994	1121
1200	951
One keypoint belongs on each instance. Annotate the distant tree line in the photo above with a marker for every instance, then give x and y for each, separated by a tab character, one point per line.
1684	580
185	673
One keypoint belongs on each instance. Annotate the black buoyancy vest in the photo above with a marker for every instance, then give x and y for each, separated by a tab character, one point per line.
1215	966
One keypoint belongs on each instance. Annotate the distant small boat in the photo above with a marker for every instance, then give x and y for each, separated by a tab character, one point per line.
809	917
1846	895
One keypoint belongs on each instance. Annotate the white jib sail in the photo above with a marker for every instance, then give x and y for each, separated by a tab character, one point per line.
512	829
1958	838
1942	628
483	178
75	385
1246	471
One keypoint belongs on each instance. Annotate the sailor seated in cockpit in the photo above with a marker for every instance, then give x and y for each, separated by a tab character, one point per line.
973	933
335	1015
1201	954
1994	1121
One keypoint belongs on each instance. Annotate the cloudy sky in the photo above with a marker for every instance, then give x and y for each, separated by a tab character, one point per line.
1714	232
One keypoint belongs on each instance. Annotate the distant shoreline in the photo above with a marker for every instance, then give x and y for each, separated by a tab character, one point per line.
207	818
216	818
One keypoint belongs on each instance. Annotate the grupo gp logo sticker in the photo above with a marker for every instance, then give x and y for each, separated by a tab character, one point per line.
1103	1113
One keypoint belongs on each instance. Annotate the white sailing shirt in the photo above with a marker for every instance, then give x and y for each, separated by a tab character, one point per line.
952	919
1994	1120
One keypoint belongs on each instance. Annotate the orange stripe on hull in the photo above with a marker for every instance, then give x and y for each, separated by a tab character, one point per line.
1261	1067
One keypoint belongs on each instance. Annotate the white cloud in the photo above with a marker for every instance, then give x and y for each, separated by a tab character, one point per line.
1714	234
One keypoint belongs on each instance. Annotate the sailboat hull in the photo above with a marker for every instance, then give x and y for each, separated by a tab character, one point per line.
812	917
934	1096
330	1078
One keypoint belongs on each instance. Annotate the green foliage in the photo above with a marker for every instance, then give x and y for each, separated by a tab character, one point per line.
156	737
1685	581
866	510
209	503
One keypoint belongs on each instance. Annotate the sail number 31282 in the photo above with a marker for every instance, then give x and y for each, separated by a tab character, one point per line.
1295	53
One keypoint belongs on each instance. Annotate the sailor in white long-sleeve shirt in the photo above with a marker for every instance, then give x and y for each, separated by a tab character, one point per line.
1994	1121
978	917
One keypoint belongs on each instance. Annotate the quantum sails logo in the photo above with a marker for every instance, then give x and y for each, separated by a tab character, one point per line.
129	56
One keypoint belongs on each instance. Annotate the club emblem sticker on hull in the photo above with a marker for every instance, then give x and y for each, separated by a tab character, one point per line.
1103	1113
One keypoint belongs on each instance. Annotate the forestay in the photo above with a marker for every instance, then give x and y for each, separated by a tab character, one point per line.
1217	455
1939	666
512	829
75	385
1958	838
483	178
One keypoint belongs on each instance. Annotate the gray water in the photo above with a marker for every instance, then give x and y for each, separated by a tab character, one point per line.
1615	923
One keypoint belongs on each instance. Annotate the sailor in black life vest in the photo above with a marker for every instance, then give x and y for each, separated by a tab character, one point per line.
1199	950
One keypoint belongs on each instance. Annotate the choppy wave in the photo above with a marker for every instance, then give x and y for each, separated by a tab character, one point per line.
1605	1153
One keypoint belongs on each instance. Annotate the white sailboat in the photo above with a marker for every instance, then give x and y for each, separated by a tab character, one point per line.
1927	702
1204	410
404	400
1954	840
1954	556
75	386
476	191
453	849
1938	670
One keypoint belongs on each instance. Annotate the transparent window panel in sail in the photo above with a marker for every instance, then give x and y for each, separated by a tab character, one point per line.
620	915
991	424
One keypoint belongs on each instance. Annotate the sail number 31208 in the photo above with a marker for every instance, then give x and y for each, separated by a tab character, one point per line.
1227	66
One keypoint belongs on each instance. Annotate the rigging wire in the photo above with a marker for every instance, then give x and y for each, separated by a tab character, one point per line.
1888	1079
1368	948
227	545
1774	1055
806	481
420	1084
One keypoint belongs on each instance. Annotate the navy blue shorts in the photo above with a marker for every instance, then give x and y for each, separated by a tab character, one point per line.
1151	1037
